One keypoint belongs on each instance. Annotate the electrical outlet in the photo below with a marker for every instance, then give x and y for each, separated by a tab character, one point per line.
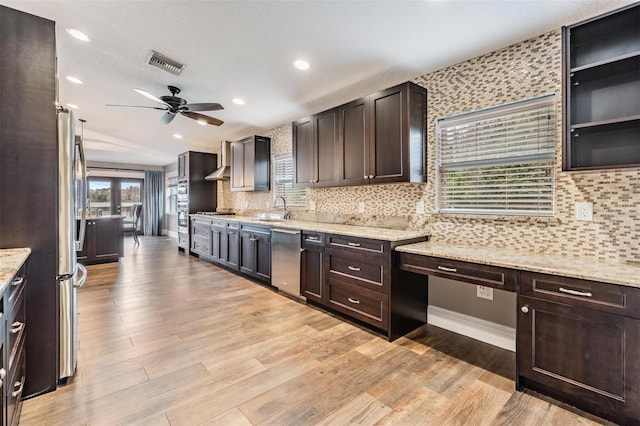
484	292
584	211
420	207
361	207
312	206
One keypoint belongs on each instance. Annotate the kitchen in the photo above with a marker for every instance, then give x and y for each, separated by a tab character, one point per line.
470	85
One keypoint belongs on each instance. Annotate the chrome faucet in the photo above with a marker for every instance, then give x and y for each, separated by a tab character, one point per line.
286	213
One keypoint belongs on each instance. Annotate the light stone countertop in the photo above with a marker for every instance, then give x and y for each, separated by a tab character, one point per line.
11	260
626	274
384	234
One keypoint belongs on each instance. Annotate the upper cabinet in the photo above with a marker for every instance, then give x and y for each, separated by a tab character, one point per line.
602	91
379	138
250	164
315	149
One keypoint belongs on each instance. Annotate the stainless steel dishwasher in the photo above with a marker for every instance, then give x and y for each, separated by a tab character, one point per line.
285	261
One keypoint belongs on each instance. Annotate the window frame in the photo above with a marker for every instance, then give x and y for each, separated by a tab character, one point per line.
296	197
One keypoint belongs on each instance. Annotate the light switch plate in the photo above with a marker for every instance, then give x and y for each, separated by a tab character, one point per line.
420	207
584	211
361	207
312	206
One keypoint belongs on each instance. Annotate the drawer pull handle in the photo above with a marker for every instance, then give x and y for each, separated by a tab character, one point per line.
575	292
353	244
313	238
444	268
17	391
3	373
17	281
16	327
354	301
353	268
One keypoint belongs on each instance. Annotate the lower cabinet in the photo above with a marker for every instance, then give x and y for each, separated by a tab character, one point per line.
14	328
255	252
225	243
104	240
579	341
311	266
201	237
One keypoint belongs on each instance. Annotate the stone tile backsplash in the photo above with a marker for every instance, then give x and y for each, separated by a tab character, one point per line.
524	70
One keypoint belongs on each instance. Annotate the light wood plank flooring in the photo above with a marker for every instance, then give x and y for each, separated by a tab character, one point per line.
167	339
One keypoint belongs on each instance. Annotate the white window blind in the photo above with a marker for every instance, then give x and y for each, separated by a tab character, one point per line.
498	160
283	178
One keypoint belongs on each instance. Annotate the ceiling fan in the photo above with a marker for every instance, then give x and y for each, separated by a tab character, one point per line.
172	105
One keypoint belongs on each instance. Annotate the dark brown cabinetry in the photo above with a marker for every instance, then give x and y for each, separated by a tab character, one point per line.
225	243
379	138
579	341
315	148
311	266
255	252
195	194
13	356
602	91
103	242
251	164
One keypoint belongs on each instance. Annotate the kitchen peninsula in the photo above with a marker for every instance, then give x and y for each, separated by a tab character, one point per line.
103	241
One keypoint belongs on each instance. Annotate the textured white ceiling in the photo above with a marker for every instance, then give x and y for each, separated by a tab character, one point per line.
247	48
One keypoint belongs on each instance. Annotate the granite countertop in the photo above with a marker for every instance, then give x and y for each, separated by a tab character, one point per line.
626	274
384	234
11	260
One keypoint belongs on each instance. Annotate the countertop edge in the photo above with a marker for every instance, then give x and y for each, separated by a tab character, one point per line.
623	274
11	260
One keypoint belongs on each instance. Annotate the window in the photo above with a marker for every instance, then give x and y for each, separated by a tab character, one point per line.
108	195
283	186
498	160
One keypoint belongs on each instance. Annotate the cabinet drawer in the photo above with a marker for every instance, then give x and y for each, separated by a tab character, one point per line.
201	230
16	286
14	386
218	223
183	240
15	328
366	305
251	229
589	294
201	246
312	239
358	244
359	270
485	275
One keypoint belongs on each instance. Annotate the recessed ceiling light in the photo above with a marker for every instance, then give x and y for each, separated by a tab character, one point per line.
74	106
78	34
238	101
75	80
177	135
301	64
202	122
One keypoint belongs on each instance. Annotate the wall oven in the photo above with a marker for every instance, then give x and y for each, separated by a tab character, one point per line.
183	190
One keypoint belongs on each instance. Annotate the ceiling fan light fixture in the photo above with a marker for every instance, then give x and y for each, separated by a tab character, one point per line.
74	80
79	35
238	101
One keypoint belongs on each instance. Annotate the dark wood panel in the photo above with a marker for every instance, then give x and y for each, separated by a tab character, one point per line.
357	244
326	140
354	137
366	305
359	271
28	177
303	153
312	276
388	141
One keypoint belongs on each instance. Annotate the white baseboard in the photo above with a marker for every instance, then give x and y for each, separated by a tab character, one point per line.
172	234
476	328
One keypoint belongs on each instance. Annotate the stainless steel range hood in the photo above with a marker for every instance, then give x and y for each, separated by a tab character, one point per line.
224	172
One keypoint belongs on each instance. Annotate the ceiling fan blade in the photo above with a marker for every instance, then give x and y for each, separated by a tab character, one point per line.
202	118
201	107
137	106
152	97
167	117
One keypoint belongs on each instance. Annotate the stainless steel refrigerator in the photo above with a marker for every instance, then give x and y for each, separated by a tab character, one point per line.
71	275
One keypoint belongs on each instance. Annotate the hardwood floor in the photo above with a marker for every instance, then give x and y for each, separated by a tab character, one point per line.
166	339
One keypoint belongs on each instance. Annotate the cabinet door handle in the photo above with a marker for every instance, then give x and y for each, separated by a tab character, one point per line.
575	292
353	244
444	268
313	238
354	301
370	176
16	327
525	309
17	391
17	281
353	268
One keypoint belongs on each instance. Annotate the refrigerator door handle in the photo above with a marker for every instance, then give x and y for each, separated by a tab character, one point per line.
83	219
80	282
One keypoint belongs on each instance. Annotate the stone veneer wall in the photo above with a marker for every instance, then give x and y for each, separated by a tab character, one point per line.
524	70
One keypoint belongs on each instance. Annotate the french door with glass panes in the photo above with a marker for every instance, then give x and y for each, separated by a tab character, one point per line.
114	196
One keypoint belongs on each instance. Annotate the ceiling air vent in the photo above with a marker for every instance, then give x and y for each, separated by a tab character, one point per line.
164	63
